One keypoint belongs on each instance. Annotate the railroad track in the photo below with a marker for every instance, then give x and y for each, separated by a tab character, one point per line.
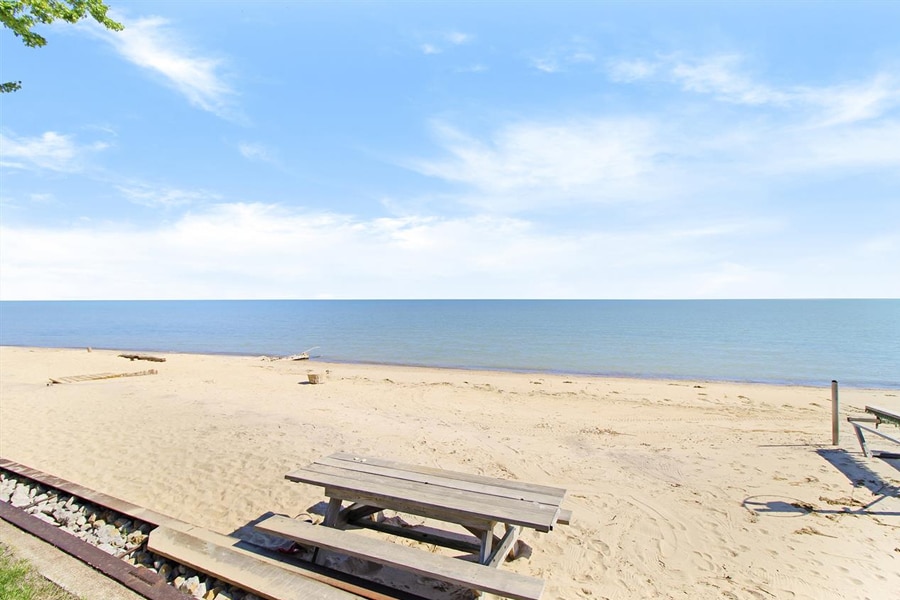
115	538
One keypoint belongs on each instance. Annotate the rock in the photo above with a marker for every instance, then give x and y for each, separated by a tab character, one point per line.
136	538
20	497
200	592
41	498
165	571
64	517
108	548
45	518
48	508
6	490
190	585
213	594
108	534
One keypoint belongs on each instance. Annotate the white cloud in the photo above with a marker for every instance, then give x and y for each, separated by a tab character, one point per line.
722	77
523	165
719	76
151	43
42	198
238	250
437	42
257	152
457	37
547	65
851	103
51	151
162	196
631	70
576	52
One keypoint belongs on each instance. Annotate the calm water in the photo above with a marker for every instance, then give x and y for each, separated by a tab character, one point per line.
784	341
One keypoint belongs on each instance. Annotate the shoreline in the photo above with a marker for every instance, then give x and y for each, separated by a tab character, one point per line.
679	488
561	373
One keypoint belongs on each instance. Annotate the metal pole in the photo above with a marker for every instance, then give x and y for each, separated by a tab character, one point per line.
835	408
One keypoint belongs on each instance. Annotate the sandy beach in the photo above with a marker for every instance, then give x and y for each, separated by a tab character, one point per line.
679	489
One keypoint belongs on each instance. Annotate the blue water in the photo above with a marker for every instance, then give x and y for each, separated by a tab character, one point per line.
781	341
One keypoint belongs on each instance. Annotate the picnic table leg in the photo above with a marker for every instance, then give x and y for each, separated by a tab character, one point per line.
334	510
355	512
487	541
506	544
862	440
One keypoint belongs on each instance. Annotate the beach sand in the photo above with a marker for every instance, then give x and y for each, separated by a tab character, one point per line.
679	489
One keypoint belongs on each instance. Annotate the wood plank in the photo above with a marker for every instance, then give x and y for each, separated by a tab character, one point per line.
243	570
438	504
134	357
495	502
507	483
451	570
493	487
99	376
427	535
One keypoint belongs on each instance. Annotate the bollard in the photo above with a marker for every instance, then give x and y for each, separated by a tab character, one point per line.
835	422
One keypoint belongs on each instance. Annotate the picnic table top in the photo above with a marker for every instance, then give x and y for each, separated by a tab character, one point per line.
883	414
430	492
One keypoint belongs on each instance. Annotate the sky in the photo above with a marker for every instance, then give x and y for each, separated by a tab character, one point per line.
254	150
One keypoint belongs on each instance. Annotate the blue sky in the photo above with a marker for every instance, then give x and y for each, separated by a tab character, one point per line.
455	150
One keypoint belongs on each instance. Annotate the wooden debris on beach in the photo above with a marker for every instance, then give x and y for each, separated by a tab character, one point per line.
133	357
98	376
301	356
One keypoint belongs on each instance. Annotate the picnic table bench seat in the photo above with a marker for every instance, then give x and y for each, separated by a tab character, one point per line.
484	578
222	557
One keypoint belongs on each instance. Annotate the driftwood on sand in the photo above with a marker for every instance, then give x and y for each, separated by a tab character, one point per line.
96	376
133	357
301	356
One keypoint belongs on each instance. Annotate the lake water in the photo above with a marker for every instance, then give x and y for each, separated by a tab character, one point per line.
780	341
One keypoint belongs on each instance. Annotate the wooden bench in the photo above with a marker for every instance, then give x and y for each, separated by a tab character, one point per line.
471	575
880	416
218	555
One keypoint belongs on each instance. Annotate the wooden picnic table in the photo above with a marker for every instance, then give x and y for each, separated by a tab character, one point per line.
477	503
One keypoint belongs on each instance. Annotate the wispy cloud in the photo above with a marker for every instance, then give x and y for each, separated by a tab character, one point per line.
457	37
578	51
51	151
547	65
520	166
436	43
257	152
153	44
725	78
162	196
226	250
